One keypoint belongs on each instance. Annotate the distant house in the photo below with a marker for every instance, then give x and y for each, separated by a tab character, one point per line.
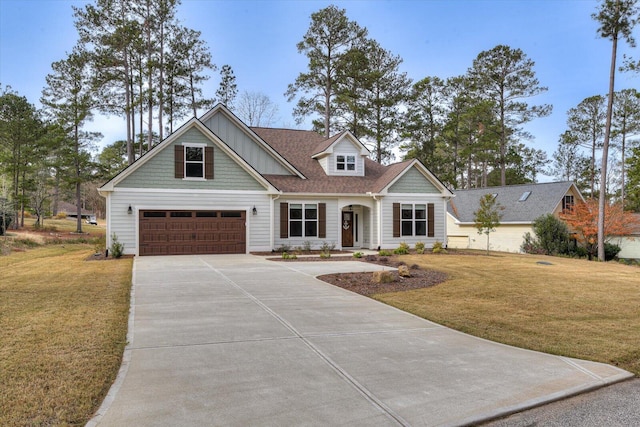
629	245
217	185
522	205
72	211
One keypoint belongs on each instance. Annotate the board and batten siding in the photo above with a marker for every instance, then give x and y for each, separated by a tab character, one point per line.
125	227
246	147
413	182
158	171
439	209
332	216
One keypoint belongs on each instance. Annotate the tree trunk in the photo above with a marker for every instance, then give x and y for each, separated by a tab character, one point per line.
605	151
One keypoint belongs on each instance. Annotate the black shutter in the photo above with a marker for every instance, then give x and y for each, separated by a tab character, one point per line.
396	220
284	220
179	161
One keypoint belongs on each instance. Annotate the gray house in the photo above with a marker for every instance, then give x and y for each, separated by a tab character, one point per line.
218	186
521	204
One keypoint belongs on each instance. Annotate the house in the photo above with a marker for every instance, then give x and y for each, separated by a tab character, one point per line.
218	186
629	245
71	210
521	204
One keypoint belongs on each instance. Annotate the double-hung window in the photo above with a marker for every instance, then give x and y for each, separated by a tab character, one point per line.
346	162
567	203
303	220
413	220
193	162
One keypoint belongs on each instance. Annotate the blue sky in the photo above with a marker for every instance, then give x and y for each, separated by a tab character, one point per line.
434	38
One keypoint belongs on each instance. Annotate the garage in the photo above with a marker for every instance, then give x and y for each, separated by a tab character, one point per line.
186	232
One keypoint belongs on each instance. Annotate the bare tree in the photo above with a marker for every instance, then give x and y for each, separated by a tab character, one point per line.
256	109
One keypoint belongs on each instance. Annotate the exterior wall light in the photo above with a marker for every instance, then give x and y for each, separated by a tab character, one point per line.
254	210
129	211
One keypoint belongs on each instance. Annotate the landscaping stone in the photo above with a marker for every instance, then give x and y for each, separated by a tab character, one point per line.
382	277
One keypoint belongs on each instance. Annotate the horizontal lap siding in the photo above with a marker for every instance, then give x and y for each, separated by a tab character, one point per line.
124	225
332	236
506	238
389	242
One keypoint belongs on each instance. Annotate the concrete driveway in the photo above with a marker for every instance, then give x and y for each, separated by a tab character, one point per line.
242	341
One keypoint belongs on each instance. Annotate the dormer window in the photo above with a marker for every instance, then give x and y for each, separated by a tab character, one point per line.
345	163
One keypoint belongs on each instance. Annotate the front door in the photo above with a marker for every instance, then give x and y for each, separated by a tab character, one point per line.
347	229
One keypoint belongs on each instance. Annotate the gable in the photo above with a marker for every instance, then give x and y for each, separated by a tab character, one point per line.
243	144
413	181
158	171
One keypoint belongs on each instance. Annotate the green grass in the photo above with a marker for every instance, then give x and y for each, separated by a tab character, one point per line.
63	324
575	308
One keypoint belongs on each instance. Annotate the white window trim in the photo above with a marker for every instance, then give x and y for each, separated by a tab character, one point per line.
194	145
303	220
414	219
346	163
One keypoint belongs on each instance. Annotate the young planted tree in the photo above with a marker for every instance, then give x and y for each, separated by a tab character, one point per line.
617	18
506	77
329	37
583	222
487	217
228	89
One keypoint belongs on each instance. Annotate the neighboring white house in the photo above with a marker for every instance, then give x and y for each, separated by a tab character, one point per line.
629	245
218	186
522	205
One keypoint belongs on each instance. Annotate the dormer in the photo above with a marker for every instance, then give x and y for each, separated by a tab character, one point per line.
342	155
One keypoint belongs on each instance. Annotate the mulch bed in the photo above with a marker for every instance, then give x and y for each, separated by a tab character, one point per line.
363	284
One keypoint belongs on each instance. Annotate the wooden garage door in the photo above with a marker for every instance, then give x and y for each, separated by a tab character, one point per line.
192	232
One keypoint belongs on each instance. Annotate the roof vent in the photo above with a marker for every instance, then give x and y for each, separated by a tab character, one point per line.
525	196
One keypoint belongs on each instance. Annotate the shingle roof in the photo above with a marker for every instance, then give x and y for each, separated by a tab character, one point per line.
543	199
298	147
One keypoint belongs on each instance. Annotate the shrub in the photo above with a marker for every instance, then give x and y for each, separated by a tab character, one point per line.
357	254
552	234
327	247
8	219
100	244
403	249
611	251
384	252
283	248
325	255
530	245
306	246
438	248
61	215
420	247
117	248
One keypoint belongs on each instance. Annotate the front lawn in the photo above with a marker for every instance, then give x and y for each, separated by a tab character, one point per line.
577	308
63	323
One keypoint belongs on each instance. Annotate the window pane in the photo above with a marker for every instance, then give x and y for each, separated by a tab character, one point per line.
295	211
295	228
231	214
421	228
421	212
180	214
310	228
407	212
340	166
340	159
193	154
194	170
310	212
206	214
407	228
351	159
351	166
